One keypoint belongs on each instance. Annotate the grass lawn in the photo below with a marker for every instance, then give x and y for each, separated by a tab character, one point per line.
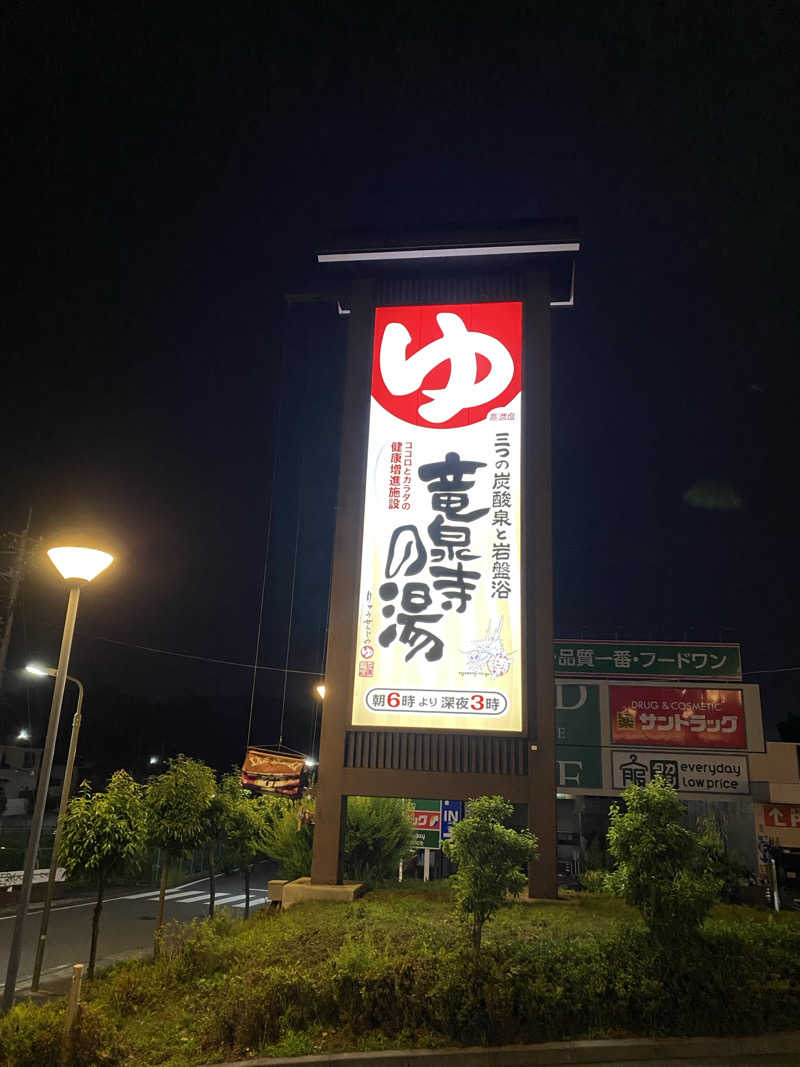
394	970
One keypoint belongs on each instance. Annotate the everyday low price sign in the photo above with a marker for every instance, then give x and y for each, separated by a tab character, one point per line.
686	772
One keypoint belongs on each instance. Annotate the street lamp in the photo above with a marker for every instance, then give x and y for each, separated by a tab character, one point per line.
44	672
23	735
320	690
76	566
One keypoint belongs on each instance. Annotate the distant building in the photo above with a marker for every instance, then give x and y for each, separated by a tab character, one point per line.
19	776
775	779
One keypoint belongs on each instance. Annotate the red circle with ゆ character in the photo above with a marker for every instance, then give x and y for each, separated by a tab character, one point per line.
499	321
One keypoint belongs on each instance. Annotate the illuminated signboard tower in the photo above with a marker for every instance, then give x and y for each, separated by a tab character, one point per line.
439	677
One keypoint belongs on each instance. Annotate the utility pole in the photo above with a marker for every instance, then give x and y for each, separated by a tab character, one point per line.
15	578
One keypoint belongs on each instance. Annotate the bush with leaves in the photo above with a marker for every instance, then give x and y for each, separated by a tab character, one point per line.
663	868
289	838
596	856
32	1035
379	832
594	881
729	872
103	834
491	858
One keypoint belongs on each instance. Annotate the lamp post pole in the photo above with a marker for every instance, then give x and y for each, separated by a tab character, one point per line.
62	809
41	798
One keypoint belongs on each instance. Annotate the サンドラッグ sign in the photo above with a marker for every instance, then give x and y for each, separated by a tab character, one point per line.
647	659
439	641
688	718
686	772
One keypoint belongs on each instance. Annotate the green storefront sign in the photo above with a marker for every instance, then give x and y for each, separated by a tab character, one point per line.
577	714
427	823
647	659
578	738
578	767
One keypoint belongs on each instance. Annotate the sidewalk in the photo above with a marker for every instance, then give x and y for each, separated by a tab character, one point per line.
758	1051
56	983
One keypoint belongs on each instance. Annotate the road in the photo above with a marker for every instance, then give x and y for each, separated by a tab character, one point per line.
127	923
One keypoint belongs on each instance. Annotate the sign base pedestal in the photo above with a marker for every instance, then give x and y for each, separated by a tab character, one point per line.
304	889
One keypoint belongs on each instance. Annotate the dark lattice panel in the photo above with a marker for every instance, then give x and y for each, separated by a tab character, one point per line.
453	753
454	290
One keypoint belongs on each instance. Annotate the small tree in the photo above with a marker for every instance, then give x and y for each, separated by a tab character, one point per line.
216	832
178	803
663	868
104	833
246	822
491	859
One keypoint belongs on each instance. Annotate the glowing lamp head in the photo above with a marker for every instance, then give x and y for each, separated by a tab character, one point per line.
320	691
82	564
41	672
310	762
23	735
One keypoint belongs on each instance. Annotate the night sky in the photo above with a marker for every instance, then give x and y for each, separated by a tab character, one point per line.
172	173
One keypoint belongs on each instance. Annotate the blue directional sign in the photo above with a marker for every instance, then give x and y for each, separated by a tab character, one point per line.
452	812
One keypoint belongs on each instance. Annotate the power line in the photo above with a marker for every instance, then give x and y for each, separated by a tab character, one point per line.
204	659
771	670
291	617
276	422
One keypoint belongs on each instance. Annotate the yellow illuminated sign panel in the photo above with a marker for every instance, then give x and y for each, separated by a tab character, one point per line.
439	643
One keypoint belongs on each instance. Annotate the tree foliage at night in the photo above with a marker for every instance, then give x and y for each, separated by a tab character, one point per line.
104	833
178	803
491	858
663	868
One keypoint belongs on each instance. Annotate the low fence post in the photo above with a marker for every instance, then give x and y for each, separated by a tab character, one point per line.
73	1003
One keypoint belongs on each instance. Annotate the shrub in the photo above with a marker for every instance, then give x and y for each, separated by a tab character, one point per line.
597	857
31	1036
289	840
522	990
730	874
594	881
663	869
93	1039
379	833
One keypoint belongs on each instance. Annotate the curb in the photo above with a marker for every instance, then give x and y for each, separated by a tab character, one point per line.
778	1048
56	983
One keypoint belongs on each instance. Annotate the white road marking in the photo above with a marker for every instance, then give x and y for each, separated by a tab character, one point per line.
32	912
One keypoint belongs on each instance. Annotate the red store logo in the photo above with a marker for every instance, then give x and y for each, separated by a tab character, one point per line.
447	365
